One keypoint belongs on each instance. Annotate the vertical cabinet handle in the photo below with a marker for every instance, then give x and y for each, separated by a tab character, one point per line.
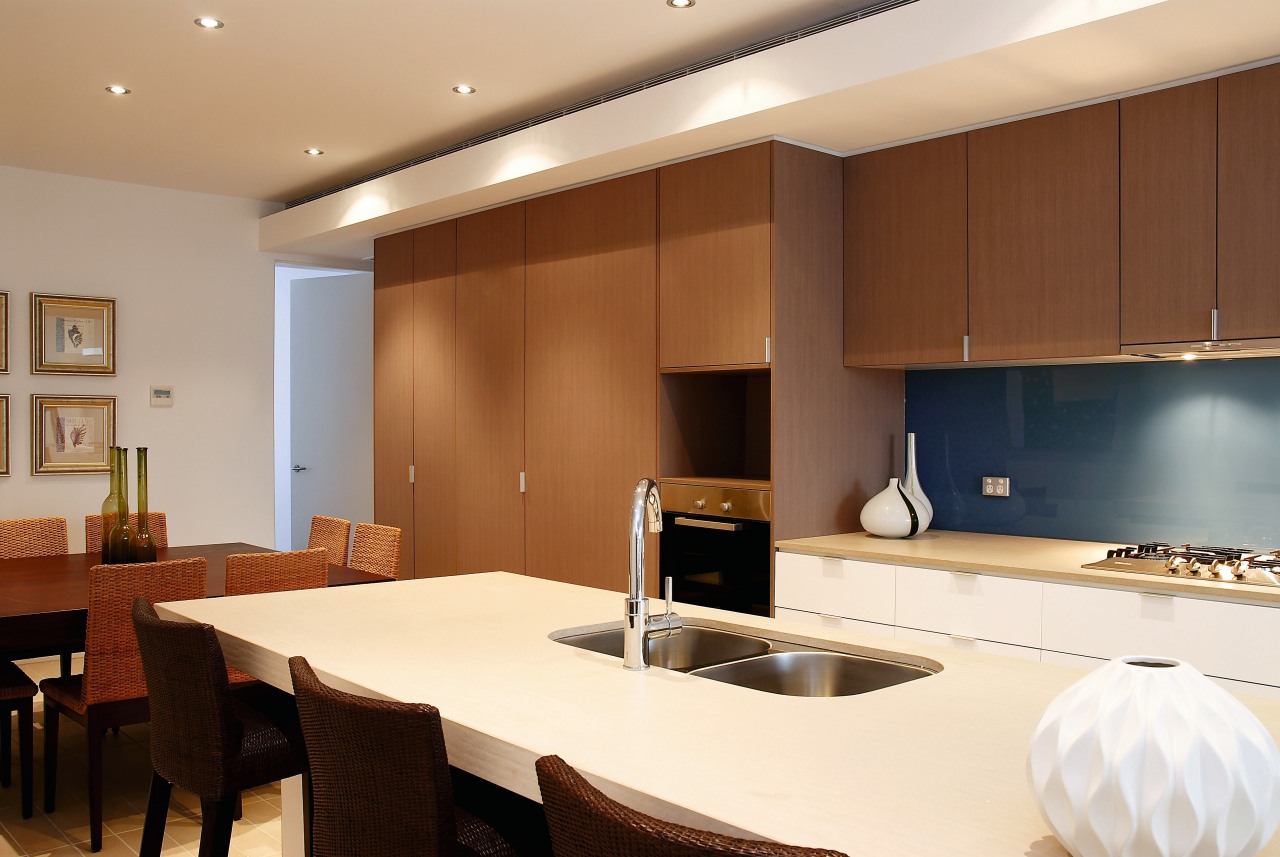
964	345
1213	324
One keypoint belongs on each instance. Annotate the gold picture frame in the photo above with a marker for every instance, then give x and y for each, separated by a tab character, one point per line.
72	434
4	435
4	333
72	335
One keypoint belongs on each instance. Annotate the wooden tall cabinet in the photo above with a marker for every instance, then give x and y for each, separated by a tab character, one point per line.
1044	254
591	385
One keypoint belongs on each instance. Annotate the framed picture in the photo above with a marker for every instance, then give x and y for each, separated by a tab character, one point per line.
4	333
73	335
4	435
72	434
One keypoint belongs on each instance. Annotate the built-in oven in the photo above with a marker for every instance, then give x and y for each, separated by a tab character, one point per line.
715	546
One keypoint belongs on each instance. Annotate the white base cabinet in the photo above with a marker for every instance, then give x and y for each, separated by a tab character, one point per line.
965	604
967	644
826	620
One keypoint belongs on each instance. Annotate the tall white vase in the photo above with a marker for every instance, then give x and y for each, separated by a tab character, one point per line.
911	480
894	513
1145	757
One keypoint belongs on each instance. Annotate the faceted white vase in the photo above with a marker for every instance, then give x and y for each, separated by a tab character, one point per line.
894	513
1145	757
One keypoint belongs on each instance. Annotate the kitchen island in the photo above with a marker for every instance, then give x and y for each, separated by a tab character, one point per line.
930	767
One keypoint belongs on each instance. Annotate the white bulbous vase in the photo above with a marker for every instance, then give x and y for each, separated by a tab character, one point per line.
1145	757
894	514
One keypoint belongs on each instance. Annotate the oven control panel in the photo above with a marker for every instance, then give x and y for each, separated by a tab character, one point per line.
716	501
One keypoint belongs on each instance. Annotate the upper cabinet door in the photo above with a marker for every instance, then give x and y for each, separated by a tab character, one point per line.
1249	204
1044	236
1168	214
714	274
906	266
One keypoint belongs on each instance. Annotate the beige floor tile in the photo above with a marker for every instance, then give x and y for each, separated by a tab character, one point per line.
133	839
7	848
254	842
112	846
32	835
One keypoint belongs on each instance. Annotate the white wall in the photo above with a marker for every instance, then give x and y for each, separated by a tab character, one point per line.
195	305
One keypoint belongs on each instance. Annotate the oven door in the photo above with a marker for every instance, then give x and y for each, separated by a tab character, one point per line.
717	562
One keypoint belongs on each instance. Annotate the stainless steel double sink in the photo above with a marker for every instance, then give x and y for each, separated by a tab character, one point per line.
782	666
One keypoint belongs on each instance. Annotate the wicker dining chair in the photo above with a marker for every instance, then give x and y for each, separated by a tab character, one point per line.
585	822
17	693
253	573
380	784
30	537
157	525
112	690
206	739
376	549
330	533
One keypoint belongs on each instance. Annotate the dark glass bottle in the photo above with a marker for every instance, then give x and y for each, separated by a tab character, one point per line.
121	538
110	511
144	546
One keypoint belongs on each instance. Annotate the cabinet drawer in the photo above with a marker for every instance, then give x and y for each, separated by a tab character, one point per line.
968	644
836	587
822	620
999	609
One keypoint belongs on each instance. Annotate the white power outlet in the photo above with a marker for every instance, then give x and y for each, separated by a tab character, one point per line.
995	486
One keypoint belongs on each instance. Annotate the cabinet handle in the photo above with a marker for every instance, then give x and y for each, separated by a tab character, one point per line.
966	574
768	350
829	616
962	638
1155	595
965	345
1213	324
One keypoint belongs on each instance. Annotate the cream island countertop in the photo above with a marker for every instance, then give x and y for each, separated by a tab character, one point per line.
934	766
1054	560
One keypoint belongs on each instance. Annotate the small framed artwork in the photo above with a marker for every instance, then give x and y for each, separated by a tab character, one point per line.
4	333
72	434
72	335
4	435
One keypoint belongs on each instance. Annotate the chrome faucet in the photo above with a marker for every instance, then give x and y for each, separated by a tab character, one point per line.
638	625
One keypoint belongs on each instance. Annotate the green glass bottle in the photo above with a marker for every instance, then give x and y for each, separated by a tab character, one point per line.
110	511
144	546
121	533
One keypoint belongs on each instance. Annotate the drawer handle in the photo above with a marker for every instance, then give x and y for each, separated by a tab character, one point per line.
829	616
1155	595
966	574
962	638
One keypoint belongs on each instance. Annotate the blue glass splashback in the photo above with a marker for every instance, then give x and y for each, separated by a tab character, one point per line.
1122	452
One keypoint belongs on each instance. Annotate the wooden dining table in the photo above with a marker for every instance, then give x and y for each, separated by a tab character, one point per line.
44	600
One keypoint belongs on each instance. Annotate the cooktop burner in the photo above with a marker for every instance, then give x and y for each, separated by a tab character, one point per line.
1236	565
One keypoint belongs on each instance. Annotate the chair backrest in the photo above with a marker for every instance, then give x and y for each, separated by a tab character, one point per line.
157	524
251	573
585	822
330	533
112	666
380	782
376	549
25	537
194	730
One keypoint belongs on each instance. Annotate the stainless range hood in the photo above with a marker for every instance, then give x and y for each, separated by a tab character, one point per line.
1219	349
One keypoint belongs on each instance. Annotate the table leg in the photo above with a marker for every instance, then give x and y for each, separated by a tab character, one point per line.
292	818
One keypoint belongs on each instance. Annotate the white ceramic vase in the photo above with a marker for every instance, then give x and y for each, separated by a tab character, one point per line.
911	480
894	513
1145	757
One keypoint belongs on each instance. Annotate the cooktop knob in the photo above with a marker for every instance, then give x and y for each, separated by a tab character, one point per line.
726	506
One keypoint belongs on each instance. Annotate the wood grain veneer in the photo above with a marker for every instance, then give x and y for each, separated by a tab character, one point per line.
435	484
490	390
715	425
1249	203
1044	236
590	379
906	271
1168	213
714	258
393	389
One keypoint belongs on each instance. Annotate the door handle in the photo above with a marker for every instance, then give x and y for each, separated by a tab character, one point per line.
298	468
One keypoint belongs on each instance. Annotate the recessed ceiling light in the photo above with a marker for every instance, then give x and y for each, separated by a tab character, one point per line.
209	23
313	151
116	89
680	4
463	89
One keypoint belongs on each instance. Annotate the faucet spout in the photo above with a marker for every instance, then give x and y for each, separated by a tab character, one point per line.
646	508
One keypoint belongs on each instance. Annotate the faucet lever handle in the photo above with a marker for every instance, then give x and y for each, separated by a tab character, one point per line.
668	590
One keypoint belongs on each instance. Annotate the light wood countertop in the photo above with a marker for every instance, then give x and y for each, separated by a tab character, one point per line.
1053	560
934	766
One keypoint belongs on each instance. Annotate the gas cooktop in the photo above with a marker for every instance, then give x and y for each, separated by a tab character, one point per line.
1235	565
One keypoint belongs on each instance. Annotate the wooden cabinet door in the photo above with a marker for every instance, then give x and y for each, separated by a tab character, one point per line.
490	390
1168	214
715	266
906	264
1249	204
393	389
590	376
435	480
1044	236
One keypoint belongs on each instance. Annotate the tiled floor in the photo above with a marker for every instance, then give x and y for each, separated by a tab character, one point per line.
126	777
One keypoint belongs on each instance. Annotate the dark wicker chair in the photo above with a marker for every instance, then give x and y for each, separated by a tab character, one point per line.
16	694
585	822
30	537
380	783
204	738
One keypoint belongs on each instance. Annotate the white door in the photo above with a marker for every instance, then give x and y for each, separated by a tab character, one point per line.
330	400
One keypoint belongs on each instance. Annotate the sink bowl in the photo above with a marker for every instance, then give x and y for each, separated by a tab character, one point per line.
693	647
812	673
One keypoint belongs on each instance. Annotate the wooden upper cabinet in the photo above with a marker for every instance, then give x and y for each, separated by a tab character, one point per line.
393	389
906	266
714	226
1168	214
436	474
1044	236
490	390
1249	204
